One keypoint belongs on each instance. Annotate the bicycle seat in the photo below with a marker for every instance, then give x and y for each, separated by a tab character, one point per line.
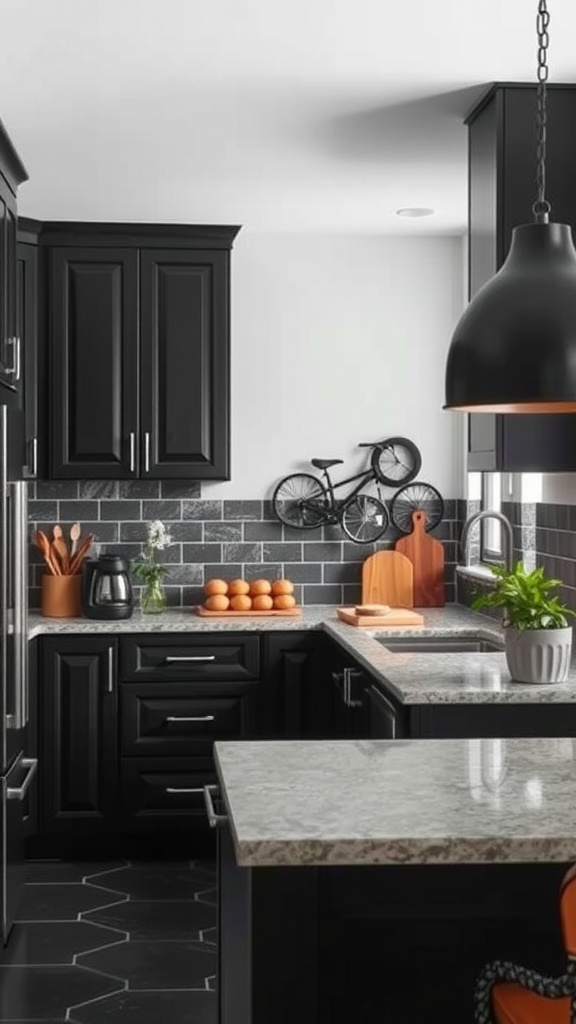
326	463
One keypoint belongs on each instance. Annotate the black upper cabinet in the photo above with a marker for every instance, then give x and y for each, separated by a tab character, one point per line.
139	351
185	364
94	362
12	174
502	190
30	329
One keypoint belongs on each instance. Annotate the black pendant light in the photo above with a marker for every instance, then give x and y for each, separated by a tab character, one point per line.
514	348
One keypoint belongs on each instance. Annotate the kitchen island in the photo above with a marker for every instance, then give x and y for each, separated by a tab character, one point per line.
370	881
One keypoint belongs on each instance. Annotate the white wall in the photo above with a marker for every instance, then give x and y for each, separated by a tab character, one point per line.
559	488
335	340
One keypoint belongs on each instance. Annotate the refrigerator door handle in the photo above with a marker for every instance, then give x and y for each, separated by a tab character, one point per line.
19	718
19	792
4	614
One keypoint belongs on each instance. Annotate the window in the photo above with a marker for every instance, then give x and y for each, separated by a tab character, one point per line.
491	537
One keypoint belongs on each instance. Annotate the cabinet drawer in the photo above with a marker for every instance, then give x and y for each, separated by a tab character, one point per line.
193	658
168	792
177	722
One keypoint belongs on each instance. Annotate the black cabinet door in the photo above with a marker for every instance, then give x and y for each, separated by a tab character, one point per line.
292	700
78	734
27	319
10	355
185	364
94	348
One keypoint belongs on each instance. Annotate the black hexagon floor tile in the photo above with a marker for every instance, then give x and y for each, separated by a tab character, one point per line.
156	964
149	919
164	881
46	992
61	902
149	1008
208	896
68	871
50	942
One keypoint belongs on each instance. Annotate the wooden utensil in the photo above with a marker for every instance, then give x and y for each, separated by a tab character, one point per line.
45	549
387	578
395	617
81	553
74	537
427	557
61	548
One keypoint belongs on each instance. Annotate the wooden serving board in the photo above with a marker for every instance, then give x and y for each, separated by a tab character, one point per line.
395	617
205	614
427	557
387	578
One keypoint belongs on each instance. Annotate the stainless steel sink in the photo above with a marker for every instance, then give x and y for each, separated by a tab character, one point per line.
441	644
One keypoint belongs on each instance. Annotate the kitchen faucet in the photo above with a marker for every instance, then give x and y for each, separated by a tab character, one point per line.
508	540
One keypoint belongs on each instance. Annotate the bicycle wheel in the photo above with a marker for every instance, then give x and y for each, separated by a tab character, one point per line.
396	461
413	497
365	519
300	500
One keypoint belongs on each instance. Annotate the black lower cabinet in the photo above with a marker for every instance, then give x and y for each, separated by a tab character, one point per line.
363	944
293	701
78	735
162	793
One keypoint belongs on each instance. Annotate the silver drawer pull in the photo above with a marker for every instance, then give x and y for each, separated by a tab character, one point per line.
183	789
19	792
190	718
190	657
213	818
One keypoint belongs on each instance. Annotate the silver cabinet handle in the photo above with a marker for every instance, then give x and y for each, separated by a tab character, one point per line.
132	452
19	792
34	457
191	718
14	370
110	686
183	789
147	452
213	818
343	680
189	657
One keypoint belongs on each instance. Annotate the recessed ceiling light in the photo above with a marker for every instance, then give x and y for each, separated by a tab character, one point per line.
415	211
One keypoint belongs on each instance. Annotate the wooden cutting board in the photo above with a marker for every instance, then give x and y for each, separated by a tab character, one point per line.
395	617
387	578
427	557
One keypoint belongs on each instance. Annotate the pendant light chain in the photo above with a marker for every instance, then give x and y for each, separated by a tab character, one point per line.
541	207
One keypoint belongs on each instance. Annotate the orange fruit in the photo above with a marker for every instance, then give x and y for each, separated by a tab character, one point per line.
212	587
283	587
260	587
217	603
238	587
240	603
283	601
262	603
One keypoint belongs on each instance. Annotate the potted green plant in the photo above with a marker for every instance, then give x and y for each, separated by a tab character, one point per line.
537	635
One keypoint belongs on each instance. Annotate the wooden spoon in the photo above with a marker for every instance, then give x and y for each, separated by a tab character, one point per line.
44	547
74	537
60	547
80	555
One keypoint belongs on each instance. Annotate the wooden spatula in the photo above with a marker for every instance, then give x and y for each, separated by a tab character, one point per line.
45	549
74	537
60	546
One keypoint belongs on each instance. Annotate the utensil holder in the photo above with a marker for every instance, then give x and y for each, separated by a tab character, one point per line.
60	596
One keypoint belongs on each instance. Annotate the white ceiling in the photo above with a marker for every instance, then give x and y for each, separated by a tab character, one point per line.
282	115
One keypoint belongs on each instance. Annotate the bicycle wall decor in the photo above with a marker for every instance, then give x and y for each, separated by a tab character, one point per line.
304	501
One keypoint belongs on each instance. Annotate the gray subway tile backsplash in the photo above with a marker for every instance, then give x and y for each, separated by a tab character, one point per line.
212	538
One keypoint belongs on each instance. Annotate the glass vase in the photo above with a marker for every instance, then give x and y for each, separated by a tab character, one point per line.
153	598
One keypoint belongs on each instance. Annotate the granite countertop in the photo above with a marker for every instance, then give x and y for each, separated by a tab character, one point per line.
451	678
363	802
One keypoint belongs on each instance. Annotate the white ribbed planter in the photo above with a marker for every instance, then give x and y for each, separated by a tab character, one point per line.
538	655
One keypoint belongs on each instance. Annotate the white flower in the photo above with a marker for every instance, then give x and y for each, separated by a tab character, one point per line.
158	536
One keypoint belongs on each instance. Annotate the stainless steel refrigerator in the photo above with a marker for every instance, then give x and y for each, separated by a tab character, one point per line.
17	771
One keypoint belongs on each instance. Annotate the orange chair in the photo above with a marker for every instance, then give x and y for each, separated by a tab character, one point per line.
509	994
